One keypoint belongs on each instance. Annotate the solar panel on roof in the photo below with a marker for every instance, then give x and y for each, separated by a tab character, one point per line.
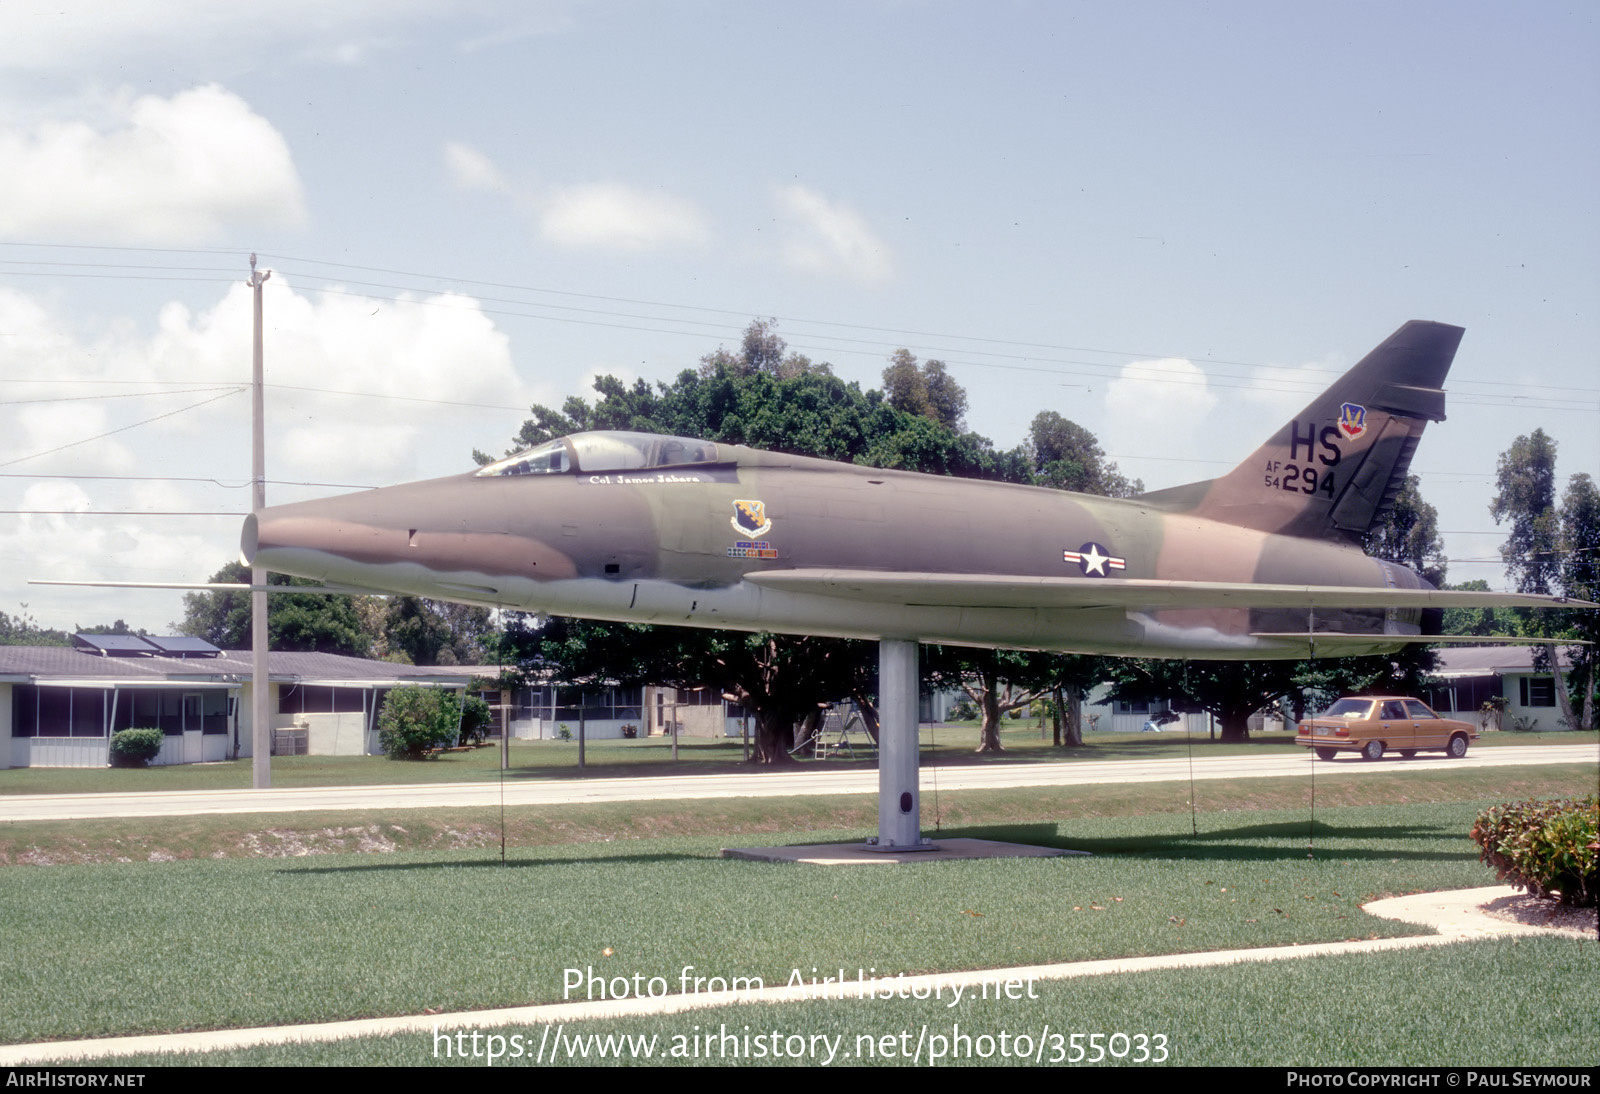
114	645
182	645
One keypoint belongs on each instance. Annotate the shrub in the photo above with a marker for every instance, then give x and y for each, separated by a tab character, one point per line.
135	747
1548	848
475	719
964	710
415	721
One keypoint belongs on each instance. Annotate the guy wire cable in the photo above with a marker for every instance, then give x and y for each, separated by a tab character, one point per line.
505	729
1194	824
1311	827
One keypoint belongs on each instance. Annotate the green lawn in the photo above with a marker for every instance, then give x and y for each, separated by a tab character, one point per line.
1520	1002
147	947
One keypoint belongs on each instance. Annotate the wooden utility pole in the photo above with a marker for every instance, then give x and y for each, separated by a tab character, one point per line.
260	719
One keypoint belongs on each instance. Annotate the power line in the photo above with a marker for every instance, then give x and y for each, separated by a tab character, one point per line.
729	330
186	478
120	429
108	395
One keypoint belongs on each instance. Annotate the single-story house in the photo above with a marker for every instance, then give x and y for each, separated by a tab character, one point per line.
1469	676
59	705
540	710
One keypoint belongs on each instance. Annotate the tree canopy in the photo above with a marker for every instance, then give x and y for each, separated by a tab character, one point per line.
1409	534
401	628
1551	549
927	390
765	396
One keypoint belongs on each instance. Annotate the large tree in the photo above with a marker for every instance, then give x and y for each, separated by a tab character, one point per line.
1483	622
997	681
1551	550
430	632
1232	691
767	397
1579	578
1064	455
295	621
780	679
1409	534
927	390
1525	496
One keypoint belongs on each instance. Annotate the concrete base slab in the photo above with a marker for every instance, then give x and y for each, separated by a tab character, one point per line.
847	854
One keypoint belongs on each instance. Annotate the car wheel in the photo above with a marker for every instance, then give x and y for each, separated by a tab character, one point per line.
1327	753
1457	747
1373	750
1408	752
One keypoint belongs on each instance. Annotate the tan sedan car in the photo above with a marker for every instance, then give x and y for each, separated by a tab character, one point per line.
1372	724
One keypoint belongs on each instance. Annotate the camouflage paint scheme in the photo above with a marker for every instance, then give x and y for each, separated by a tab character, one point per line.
688	532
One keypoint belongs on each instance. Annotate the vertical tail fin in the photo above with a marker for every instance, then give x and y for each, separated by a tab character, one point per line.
1334	469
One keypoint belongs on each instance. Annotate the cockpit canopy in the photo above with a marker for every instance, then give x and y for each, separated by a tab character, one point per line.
610	450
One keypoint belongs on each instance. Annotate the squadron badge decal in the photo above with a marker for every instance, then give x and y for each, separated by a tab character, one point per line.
1352	420
750	518
1093	560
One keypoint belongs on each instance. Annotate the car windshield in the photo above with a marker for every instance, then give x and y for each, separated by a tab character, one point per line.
605	451
1349	708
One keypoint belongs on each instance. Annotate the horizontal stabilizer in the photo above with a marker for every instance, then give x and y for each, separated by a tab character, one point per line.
1008	591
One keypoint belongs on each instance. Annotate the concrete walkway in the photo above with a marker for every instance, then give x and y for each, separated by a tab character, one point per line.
1456	916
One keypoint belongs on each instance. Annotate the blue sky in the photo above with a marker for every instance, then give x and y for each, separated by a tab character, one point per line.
1169	222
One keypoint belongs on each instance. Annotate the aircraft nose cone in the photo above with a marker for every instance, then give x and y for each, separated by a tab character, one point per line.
446	534
315	538
248	540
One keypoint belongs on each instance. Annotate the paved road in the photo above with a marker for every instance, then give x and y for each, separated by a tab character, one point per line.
811	781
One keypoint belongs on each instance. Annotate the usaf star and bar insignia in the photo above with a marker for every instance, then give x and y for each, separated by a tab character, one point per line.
1093	560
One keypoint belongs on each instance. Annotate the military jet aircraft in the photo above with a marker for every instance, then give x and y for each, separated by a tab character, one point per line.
1264	562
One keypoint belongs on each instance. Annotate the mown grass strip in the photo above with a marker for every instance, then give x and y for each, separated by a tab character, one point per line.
1423	1008
740	820
151	947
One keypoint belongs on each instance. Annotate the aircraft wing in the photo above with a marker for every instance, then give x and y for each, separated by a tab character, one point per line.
1337	644
1011	591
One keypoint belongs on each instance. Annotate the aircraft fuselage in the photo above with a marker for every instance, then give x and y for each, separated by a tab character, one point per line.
688	545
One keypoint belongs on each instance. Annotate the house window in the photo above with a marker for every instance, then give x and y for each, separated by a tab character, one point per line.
58	712
1538	691
320	699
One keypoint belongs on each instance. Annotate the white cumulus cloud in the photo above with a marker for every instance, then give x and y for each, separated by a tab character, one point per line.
422	355
416	351
170	171
470	169
827	238
619	217
1160	409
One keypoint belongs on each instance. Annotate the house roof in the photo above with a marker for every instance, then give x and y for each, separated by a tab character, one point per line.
36	664
1457	661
